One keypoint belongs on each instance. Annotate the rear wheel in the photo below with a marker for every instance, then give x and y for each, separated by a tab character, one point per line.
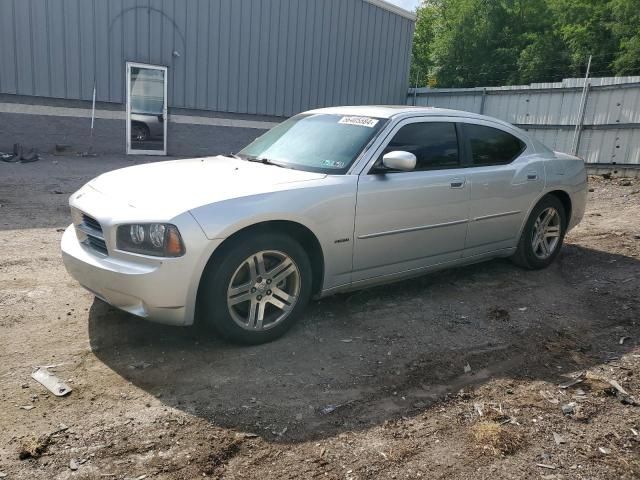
258	289
543	234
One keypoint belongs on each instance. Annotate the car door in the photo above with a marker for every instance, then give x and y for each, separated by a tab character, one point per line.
505	177
410	220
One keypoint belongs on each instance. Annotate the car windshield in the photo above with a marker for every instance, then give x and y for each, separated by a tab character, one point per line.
315	142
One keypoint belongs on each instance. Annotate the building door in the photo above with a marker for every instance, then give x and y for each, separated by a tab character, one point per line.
146	109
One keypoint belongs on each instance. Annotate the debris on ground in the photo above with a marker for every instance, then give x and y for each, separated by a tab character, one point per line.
139	366
51	382
496	439
329	409
19	155
559	439
573	381
499	314
569	408
34	448
467	368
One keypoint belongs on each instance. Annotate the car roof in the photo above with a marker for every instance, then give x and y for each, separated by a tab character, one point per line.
402	111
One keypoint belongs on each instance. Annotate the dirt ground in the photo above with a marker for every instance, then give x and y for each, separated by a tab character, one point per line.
452	375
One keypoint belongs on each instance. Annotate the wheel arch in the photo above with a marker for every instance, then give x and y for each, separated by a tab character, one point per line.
301	233
565	199
561	195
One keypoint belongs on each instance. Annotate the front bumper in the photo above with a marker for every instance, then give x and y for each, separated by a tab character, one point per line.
162	290
148	288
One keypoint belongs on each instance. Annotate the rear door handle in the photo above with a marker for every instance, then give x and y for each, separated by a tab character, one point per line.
531	176
458	183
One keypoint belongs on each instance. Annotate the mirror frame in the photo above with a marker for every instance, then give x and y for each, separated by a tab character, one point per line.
399	160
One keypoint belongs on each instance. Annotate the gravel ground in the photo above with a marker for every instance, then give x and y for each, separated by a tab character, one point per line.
452	375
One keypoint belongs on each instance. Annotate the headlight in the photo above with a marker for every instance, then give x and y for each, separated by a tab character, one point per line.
157	239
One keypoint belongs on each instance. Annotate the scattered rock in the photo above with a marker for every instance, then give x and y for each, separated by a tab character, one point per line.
559	439
73	465
139	366
329	409
467	368
498	314
570	383
569	408
604	451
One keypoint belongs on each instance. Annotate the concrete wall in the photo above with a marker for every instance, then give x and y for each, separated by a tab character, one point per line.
44	123
273	57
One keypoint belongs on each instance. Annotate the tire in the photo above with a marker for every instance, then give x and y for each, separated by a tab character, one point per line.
526	255
233	299
139	132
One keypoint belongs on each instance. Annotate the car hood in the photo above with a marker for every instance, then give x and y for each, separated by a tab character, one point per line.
173	187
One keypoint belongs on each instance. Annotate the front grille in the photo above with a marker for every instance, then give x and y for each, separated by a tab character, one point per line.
91	222
92	231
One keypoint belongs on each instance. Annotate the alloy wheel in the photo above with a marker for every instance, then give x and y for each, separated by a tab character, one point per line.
263	290
546	233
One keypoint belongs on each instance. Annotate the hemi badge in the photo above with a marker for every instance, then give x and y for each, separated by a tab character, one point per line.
341	240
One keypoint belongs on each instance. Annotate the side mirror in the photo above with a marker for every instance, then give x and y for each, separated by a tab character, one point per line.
399	160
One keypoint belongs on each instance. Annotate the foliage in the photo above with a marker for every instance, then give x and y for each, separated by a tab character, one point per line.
462	43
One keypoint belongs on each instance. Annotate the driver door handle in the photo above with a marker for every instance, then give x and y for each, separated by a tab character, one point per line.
458	183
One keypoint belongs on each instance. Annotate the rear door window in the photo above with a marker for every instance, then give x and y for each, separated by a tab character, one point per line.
491	146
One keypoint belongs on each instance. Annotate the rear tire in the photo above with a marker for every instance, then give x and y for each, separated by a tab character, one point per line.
258	289
542	235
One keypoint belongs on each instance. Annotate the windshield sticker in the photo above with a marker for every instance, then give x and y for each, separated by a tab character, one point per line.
332	164
359	121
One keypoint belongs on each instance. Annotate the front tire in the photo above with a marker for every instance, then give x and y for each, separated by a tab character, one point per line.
542	235
258	289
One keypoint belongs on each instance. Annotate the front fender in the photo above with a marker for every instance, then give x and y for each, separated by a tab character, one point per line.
325	207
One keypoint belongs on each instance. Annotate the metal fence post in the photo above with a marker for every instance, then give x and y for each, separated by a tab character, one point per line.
482	100
581	110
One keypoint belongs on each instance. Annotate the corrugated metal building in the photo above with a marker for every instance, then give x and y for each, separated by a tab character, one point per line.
250	57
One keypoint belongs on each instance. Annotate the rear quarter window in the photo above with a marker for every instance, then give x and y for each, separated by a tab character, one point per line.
491	146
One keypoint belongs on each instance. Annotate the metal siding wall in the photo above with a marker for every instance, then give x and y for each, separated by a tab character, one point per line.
274	57
549	112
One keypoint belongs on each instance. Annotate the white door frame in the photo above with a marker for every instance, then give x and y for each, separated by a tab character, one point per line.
128	105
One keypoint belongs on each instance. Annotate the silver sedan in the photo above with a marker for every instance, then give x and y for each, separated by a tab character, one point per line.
330	200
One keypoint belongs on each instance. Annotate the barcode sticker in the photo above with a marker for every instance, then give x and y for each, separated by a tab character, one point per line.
359	121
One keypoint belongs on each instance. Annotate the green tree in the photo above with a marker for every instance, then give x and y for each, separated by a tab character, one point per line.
626	28
461	43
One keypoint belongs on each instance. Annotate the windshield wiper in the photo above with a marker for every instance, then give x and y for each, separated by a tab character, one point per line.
267	161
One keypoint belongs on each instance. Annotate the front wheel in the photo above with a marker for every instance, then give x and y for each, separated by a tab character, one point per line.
543	234
258	290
